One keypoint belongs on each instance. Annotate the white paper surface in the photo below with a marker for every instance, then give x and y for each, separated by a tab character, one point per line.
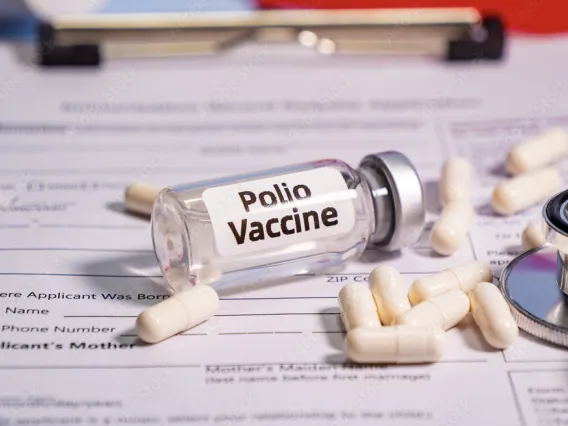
75	270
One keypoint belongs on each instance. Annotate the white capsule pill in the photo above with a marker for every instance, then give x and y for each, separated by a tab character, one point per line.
357	307
397	344
389	293
445	311
452	227
139	197
536	152
180	312
455	181
462	277
491	313
532	236
524	191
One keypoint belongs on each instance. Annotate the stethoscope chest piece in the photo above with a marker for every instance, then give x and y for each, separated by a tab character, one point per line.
536	283
539	306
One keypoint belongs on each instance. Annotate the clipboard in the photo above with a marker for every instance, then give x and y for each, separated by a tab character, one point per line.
454	34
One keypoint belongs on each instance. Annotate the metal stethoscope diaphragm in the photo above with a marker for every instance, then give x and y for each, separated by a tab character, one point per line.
536	282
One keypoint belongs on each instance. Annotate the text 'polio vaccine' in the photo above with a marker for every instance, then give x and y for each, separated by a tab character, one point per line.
286	221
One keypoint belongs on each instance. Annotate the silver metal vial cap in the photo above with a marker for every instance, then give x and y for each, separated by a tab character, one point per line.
398	199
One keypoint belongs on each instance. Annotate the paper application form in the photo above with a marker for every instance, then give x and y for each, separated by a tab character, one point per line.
75	270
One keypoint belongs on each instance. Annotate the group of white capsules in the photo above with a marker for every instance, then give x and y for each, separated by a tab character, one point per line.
417	321
386	325
434	304
530	163
533	181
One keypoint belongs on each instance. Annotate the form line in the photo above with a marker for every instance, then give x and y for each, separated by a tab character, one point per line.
78	275
344	363
250	333
279	298
279	313
532	361
99	316
220	315
516	398
74	249
92	367
367	273
471	246
91	226
260	333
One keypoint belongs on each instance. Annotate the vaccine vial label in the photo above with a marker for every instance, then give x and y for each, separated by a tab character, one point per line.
278	211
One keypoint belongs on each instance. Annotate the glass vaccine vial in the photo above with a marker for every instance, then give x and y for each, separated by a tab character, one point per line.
285	221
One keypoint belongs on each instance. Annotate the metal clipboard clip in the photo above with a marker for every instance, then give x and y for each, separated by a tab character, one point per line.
454	34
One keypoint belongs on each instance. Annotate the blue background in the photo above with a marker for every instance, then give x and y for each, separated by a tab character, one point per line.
23	27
